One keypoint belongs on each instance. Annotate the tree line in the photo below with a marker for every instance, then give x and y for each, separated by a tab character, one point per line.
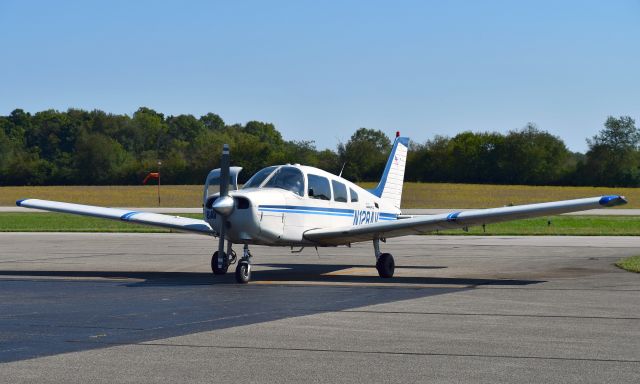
80	147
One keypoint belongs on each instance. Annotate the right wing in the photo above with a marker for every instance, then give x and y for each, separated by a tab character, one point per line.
154	219
417	225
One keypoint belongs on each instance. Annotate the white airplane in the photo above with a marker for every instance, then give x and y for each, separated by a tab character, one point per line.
299	206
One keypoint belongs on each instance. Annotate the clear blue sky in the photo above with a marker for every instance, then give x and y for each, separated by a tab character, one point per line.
320	70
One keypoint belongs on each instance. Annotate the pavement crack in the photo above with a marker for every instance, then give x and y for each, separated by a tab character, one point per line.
86	327
555	289
492	315
362	352
61	258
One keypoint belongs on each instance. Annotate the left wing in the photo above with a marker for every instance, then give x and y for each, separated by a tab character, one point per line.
154	219
423	224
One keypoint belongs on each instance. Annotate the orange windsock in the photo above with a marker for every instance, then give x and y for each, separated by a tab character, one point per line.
151	175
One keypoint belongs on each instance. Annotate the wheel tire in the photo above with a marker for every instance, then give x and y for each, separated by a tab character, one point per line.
243	272
214	264
385	265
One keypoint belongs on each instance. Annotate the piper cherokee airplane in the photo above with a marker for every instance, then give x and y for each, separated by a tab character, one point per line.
299	206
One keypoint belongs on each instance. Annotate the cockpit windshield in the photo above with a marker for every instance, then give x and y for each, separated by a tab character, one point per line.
259	177
289	178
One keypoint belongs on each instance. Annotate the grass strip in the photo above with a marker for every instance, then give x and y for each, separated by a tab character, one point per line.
560	225
61	222
631	264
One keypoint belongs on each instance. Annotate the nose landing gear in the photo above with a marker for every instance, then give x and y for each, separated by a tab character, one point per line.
220	263
243	270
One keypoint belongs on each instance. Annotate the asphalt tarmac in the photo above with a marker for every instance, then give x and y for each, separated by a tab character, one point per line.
80	308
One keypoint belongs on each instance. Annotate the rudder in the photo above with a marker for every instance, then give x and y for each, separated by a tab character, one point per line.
390	186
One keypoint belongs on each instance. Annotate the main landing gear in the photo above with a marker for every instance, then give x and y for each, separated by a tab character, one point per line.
384	261
220	264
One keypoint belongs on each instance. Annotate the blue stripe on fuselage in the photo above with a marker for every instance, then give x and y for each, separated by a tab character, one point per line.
319	211
305	208
309	212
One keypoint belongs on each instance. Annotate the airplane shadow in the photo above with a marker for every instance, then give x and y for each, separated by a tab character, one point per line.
51	312
280	273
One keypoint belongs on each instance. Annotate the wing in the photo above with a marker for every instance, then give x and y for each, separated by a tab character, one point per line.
154	219
429	223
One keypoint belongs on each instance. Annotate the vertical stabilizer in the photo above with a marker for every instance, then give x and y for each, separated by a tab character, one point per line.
390	186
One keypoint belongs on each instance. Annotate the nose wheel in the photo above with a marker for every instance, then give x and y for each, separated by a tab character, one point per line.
243	270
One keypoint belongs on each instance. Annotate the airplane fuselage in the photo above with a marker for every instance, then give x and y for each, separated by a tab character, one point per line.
275	216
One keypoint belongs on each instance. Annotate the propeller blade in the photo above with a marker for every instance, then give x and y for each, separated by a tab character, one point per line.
221	238
224	171
224	197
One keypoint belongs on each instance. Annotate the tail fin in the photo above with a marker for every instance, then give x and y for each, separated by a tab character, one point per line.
390	186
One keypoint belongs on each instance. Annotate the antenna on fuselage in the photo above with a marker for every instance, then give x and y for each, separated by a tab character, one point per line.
342	169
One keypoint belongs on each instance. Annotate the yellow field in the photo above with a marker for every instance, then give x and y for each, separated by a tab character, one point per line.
110	196
415	195
418	195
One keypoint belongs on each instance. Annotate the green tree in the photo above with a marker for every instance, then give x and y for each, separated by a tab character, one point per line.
472	157
102	160
265	132
329	161
147	131
184	127
212	122
618	134
251	153
532	156
613	158
364	155
430	161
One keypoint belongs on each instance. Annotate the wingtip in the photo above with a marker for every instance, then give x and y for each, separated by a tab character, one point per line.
612	200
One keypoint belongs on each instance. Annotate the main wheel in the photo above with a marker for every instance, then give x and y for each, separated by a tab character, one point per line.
219	263
385	265
243	272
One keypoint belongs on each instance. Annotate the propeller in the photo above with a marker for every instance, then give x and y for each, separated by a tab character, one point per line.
224	203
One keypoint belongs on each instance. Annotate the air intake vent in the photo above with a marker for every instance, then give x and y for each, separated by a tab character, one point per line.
210	202
241	202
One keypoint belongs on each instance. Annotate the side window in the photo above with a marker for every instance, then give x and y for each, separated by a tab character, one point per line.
354	195
319	187
339	191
